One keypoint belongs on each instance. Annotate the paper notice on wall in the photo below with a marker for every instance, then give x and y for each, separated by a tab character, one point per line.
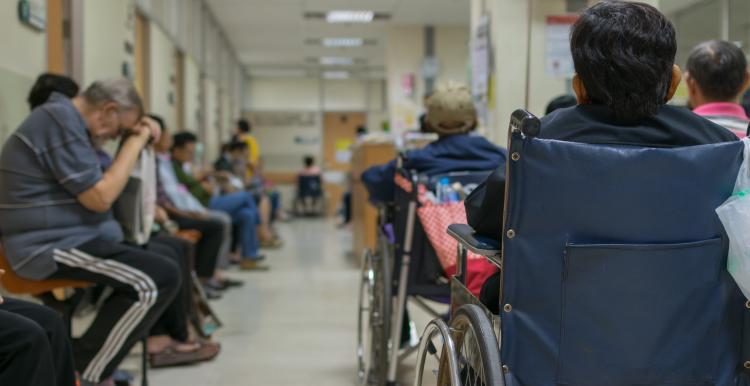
480	59
559	60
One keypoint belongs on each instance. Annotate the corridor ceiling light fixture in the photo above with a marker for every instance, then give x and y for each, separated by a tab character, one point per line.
336	61
336	74
343	42
350	16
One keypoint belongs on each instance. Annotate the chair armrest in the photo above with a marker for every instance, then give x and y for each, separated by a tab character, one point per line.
480	245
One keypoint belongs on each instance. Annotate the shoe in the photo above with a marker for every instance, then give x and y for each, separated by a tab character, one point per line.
253	265
211	293
274	243
229	283
169	357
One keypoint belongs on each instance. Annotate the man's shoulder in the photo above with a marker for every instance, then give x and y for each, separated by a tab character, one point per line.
52	122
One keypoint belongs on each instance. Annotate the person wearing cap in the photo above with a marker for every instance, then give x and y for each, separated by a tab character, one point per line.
450	114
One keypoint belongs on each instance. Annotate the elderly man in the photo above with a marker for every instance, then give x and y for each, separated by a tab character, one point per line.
716	78
56	222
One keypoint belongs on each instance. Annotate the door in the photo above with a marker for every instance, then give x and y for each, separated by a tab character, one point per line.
339	133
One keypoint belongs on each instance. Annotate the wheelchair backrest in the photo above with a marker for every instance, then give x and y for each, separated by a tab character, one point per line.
309	186
614	266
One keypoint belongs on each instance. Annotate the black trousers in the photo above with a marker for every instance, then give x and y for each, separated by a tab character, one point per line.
144	285
209	246
34	346
174	320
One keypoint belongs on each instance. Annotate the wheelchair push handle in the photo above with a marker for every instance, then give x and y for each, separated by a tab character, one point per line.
525	122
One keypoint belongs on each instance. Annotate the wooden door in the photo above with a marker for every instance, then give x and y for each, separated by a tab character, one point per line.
339	134
56	37
142	57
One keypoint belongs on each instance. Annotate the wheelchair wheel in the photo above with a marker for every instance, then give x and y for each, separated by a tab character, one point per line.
373	320
436	350
477	349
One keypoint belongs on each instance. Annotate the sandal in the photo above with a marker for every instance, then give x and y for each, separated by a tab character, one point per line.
168	357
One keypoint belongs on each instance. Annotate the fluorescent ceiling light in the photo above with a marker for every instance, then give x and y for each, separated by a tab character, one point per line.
343	42
350	16
336	61
336	74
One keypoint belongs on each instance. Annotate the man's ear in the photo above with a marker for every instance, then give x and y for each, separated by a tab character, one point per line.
745	84
676	78
580	90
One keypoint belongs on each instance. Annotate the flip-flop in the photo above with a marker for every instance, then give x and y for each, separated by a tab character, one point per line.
170	357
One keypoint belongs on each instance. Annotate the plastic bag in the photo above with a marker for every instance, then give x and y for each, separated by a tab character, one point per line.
734	214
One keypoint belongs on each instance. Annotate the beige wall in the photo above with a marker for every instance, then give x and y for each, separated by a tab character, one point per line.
192	84
107	24
211	129
404	54
23	58
280	151
162	68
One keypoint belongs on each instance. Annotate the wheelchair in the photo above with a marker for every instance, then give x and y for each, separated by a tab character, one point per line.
404	266
310	199
613	272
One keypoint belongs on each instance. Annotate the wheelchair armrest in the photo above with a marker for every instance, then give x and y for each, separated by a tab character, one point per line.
480	245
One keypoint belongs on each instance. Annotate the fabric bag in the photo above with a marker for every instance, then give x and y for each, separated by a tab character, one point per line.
136	205
734	214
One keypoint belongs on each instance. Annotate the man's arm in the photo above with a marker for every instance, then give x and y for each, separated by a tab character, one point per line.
100	197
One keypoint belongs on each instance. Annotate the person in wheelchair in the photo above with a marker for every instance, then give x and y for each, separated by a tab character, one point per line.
450	114
624	55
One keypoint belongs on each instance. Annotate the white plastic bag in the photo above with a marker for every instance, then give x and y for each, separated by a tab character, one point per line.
734	214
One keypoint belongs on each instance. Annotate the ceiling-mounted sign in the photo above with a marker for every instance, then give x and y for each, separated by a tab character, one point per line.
559	59
33	13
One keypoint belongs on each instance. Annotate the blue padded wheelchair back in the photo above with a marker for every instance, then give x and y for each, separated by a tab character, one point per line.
615	266
309	186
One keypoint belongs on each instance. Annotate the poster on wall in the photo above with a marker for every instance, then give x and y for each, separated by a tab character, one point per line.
559	62
480	58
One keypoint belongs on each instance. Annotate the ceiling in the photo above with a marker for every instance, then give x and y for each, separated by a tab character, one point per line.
271	36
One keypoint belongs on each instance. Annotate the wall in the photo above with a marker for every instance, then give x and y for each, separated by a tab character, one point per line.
107	25
403	57
192	98
301	101
23	59
162	67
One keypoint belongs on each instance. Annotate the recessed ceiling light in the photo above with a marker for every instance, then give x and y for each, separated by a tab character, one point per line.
350	16
336	74
336	61
343	42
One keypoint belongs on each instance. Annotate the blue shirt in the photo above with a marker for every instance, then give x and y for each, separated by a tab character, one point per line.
447	154
44	166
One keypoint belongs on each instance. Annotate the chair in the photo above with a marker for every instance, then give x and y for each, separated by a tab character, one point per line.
52	293
613	269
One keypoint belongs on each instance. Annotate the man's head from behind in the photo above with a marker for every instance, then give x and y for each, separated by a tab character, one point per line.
243	127
237	150
716	72
110	107
183	146
623	54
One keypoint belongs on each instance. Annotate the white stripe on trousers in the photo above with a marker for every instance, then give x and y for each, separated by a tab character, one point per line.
143	285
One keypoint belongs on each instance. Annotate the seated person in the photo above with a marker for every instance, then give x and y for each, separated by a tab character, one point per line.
56	221
188	213
450	114
309	189
48	83
716	78
34	346
240	205
622	91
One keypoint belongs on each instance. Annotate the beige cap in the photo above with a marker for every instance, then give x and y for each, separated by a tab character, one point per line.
450	109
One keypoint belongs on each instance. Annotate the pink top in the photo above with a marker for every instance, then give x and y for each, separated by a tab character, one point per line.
311	171
720	112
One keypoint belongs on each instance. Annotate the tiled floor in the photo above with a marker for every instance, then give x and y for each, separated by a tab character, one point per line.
293	325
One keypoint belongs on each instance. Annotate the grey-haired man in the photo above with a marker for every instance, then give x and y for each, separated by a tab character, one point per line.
56	222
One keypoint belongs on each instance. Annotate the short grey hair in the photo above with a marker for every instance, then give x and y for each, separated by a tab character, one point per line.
118	90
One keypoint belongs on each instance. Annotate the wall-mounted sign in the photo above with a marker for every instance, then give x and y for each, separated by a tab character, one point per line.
33	13
559	59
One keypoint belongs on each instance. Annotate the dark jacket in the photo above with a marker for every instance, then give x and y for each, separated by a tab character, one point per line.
447	154
596	124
